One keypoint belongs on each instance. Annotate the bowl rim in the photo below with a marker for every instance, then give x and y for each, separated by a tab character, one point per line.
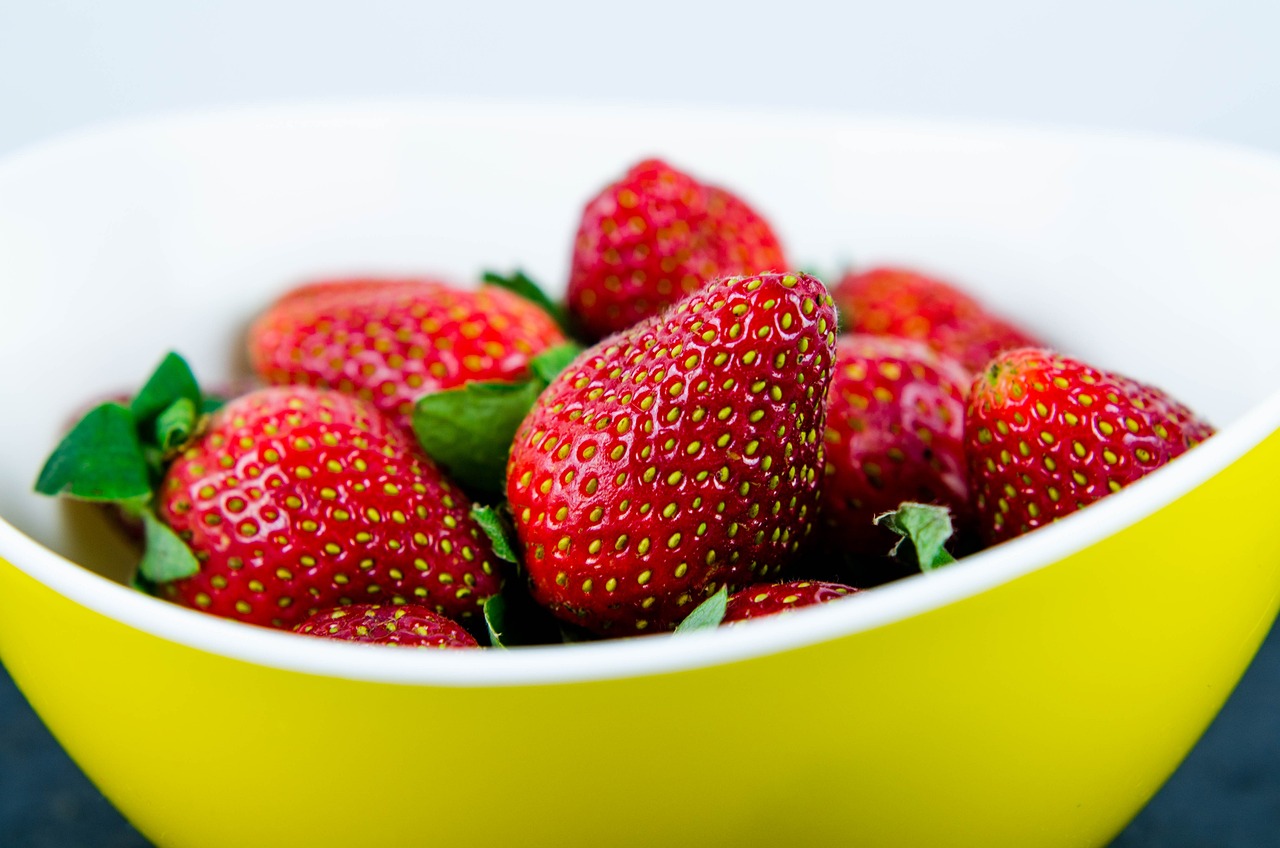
659	653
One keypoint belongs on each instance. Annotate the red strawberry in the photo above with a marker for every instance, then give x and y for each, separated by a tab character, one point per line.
772	598
653	237
390	341
1048	434
409	625
898	302
895	433
299	499
677	456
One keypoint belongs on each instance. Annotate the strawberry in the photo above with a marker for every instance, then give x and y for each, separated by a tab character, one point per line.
655	236
895	433
677	456
390	341
898	302
410	625
773	598
1048	434
296	499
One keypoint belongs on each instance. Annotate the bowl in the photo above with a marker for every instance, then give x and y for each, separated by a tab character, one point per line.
1035	694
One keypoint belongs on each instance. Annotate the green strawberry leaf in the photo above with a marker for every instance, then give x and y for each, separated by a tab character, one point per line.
176	424
210	404
469	429
708	614
495	527
547	365
101	459
926	528
519	283
495	610
167	557
171	381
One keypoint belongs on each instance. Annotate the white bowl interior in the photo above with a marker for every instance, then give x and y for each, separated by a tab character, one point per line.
1155	257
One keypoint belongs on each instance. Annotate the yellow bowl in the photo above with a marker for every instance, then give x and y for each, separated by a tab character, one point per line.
1036	694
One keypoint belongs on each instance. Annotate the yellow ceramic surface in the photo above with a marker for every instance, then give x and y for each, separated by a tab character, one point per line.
1035	695
1045	711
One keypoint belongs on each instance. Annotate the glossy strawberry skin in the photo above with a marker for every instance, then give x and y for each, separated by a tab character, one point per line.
407	625
908	304
1048	434
390	341
765	599
676	457
297	499
655	236
895	433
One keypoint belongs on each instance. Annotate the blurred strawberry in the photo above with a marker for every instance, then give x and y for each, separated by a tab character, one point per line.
655	236
908	304
895	433
390	341
765	599
408	625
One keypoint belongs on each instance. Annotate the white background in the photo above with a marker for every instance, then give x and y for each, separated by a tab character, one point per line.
1209	68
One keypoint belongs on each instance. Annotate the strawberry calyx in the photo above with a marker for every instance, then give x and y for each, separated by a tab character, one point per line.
100	459
707	615
117	454
469	429
925	529
497	526
167	407
495	620
166	557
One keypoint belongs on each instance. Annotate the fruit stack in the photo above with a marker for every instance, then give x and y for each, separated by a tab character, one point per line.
438	466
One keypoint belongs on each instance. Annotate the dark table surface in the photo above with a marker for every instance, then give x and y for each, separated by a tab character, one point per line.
1226	795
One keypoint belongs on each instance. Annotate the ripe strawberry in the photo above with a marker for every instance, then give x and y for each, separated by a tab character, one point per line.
676	456
895	433
773	598
898	302
298	499
1048	434
655	236
410	625
390	341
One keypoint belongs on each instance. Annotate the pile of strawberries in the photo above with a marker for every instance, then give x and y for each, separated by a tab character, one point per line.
430	464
